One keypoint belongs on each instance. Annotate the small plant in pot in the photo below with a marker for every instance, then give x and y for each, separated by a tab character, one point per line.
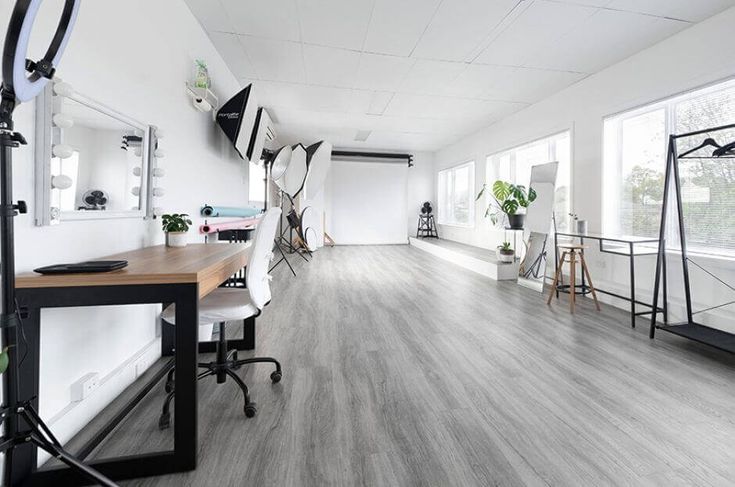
508	201
175	226
505	253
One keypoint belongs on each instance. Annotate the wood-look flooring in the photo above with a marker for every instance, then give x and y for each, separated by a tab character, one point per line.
404	370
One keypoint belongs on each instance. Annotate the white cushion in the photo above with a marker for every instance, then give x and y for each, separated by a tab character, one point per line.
222	304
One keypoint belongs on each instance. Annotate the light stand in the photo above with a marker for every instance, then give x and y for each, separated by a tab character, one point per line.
268	157
22	81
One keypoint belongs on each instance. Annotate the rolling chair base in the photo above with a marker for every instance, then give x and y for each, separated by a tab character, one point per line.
225	366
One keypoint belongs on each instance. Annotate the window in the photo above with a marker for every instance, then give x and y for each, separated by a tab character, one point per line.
515	165
635	149
256	183
456	195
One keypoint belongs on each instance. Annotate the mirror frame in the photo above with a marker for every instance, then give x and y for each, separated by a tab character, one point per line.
45	132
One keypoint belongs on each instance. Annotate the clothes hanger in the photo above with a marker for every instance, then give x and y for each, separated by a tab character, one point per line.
725	150
709	141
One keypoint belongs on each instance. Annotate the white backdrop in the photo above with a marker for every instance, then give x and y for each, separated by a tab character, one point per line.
368	203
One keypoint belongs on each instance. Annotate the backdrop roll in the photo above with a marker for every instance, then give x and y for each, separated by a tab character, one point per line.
230	212
233	225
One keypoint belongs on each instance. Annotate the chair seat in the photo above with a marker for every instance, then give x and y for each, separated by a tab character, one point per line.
222	304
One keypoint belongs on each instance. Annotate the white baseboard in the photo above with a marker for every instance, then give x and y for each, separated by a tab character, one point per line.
74	416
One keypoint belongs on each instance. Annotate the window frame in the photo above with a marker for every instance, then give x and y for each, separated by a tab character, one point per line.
513	174
472	188
669	104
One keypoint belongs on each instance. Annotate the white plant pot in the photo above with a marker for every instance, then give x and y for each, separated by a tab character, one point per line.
504	258
176	239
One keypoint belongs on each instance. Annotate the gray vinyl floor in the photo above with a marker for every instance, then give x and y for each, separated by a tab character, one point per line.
402	370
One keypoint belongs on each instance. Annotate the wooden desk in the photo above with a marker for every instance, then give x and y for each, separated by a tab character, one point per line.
154	275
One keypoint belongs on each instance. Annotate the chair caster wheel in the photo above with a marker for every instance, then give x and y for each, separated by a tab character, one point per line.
250	410
164	421
276	377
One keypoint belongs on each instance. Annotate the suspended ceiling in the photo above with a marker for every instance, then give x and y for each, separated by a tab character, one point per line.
420	74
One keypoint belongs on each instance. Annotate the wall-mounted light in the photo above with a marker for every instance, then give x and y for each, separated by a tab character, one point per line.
63	89
62	151
63	121
61	181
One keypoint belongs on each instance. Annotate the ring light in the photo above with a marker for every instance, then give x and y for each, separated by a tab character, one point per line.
16	67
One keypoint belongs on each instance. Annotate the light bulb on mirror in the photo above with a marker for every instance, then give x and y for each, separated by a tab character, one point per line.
63	121
135	191
158	192
61	181
63	89
138	152
159	133
159	153
62	151
159	172
137	171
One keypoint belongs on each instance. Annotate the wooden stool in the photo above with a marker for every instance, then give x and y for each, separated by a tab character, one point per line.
572	251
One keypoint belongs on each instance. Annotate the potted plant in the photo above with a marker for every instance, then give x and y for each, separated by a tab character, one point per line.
509	200
175	226
505	254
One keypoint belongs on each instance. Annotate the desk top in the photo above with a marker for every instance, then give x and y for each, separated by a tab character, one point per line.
610	238
206	264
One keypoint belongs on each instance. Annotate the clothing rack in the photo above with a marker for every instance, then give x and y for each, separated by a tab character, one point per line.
690	328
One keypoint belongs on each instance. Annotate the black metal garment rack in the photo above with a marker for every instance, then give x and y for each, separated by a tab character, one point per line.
690	328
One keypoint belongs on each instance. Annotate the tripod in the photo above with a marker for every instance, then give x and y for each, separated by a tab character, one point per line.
22	423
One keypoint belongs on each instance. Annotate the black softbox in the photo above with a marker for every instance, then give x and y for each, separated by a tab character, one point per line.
236	118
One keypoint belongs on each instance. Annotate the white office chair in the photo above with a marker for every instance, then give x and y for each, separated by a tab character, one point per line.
234	304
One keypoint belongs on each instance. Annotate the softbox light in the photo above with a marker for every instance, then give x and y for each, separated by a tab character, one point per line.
319	161
236	118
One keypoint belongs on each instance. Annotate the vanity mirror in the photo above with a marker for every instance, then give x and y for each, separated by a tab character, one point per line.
92	162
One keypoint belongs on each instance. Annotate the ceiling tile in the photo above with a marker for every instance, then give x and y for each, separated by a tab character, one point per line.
529	85
692	11
431	77
315	98
476	81
275	60
379	101
597	43
211	15
233	53
396	27
459	26
536	28
274	19
335	23
380	72
329	66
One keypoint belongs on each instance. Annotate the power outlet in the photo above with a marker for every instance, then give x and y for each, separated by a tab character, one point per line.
141	366
82	388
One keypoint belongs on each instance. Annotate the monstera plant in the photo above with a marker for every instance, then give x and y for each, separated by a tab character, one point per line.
508	201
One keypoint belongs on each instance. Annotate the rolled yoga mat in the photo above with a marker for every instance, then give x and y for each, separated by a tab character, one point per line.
233	225
227	211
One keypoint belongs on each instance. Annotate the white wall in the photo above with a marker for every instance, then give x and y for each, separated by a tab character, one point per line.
421	187
133	56
700	55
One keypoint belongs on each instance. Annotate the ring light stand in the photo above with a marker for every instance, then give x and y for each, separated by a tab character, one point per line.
22	81
269	158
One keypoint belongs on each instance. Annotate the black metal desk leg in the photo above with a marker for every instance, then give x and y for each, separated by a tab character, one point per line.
632	285
185	412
